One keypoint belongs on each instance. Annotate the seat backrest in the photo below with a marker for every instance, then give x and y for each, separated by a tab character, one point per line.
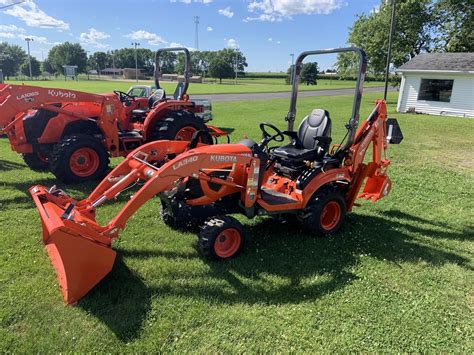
316	124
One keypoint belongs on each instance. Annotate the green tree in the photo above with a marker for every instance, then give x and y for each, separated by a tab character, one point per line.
35	67
234	57
67	54
167	62
455	25
98	61
220	68
414	25
11	57
46	66
309	73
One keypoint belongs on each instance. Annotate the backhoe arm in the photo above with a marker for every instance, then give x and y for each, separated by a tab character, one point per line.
373	133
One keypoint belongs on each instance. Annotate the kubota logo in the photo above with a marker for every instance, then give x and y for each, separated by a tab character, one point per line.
184	162
224	158
27	96
62	94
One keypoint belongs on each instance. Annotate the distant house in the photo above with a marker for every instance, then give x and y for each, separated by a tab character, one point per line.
111	71
132	73
438	84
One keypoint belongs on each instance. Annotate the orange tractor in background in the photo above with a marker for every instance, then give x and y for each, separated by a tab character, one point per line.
74	133
204	184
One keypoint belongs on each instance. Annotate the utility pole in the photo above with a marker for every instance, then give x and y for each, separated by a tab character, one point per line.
236	64
136	60
28	40
389	50
292	55
113	63
196	32
10	5
88	62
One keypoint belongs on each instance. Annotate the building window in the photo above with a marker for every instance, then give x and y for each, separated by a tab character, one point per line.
435	90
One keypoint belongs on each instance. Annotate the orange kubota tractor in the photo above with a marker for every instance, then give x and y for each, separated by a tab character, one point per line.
195	182
73	133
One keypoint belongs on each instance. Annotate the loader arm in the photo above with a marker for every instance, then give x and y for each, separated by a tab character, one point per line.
70	225
17	99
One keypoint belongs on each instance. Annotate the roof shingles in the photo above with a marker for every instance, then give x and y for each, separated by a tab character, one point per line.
440	62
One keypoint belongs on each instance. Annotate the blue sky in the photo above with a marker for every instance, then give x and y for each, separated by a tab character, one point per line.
267	31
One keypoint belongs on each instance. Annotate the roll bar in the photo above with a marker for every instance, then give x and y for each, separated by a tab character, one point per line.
354	120
187	66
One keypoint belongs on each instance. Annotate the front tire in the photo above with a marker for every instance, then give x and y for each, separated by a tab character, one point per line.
36	161
180	126
325	213
221	237
79	158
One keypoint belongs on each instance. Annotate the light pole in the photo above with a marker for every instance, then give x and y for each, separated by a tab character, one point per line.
136	60
389	50
292	55
28	40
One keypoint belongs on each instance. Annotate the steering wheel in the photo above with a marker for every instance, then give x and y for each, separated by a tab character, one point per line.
124	97
278	136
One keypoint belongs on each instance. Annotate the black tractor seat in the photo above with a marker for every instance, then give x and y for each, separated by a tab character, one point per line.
312	140
157	96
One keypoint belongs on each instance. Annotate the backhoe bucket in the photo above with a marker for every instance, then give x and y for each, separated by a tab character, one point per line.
80	262
376	187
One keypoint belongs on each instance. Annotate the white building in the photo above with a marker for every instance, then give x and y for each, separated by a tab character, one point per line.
438	84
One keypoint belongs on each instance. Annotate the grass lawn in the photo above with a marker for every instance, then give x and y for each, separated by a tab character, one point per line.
398	277
228	86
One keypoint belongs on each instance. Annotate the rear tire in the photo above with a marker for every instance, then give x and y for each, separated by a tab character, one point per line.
221	237
79	158
36	161
180	125
325	213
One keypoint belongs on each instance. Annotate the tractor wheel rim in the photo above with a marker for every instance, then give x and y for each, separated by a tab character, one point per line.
185	133
84	162
227	243
42	157
330	215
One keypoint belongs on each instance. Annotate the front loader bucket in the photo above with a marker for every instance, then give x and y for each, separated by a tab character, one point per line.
80	262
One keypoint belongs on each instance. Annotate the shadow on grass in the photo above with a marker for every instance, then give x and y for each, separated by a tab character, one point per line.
121	301
6	165
307	268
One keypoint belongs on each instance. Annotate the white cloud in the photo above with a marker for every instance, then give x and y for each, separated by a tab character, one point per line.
94	38
270	39
232	43
277	10
39	39
209	29
278	42
176	44
190	1
7	35
31	14
151	38
12	28
227	12
12	31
